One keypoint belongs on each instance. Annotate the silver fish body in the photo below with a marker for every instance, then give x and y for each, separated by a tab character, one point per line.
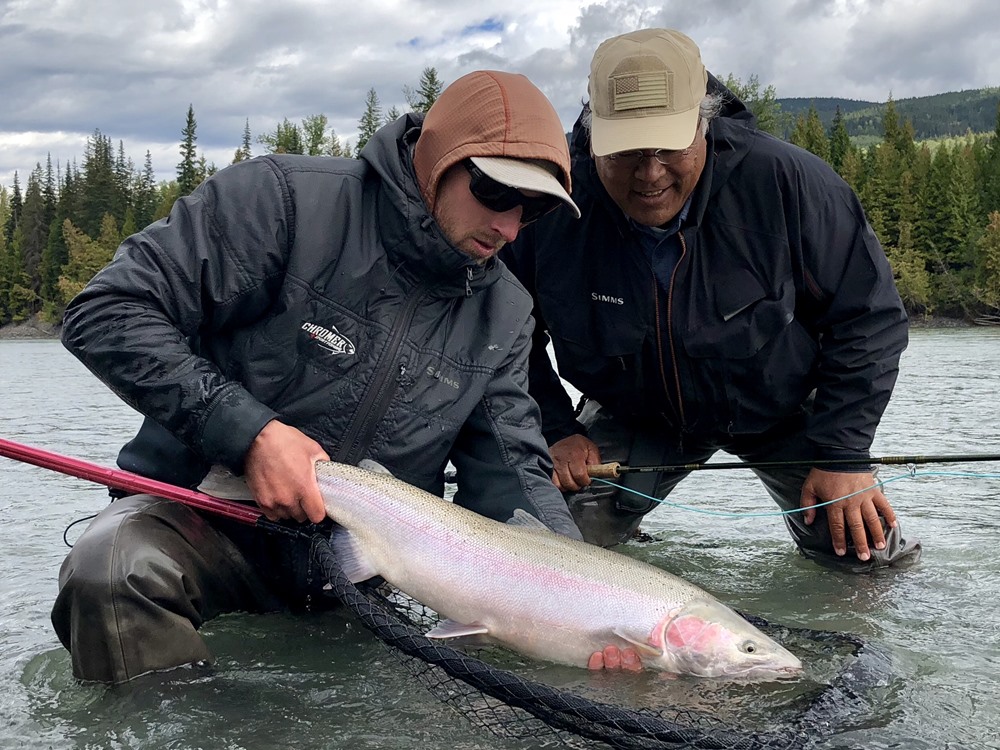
538	593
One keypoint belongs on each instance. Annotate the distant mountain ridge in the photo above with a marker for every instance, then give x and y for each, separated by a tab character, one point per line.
940	116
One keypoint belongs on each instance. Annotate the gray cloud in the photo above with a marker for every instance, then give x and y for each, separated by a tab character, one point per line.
131	70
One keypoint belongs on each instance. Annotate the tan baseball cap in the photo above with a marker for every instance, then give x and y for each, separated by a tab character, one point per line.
507	124
646	88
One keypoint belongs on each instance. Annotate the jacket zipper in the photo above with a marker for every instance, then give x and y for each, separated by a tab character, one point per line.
376	400
670	335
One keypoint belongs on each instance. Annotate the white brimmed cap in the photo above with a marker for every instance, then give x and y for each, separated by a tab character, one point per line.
523	174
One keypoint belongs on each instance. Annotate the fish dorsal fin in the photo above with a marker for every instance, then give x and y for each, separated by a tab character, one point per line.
525	520
642	647
221	482
373	466
452	629
357	566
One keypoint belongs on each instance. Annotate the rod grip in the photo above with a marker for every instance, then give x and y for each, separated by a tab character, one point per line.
605	471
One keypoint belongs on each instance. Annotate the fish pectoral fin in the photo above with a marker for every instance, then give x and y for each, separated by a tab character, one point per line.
221	482
525	520
357	566
452	629
373	466
642	647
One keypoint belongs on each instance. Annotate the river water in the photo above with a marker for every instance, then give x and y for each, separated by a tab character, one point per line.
319	681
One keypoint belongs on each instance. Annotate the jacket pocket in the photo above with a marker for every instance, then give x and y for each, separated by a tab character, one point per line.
600	367
751	356
743	317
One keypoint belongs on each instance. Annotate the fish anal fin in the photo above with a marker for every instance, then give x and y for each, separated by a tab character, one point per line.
525	520
355	563
453	629
373	466
221	482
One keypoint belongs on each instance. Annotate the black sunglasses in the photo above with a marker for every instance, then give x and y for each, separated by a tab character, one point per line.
502	198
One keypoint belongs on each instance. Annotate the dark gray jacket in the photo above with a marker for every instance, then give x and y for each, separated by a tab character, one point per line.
782	290
319	291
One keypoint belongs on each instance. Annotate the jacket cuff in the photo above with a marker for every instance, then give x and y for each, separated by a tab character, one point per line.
232	424
830	453
562	431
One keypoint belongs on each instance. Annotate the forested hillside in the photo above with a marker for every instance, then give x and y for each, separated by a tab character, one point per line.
943	115
934	204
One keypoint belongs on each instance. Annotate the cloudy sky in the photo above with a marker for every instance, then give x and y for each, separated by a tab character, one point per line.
130	68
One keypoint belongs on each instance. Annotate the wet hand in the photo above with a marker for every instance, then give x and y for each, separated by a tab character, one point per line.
570	458
280	471
851	515
614	658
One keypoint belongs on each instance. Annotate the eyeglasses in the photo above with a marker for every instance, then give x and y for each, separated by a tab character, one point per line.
629	160
502	198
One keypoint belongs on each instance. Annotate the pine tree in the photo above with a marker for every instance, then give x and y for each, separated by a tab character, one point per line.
21	301
4	213
56	254
34	230
243	152
880	192
810	135
427	92
852	170
392	115
840	142
909	269
991	169
949	242
124	171
187	170
144	194
988	249
13	213
923	227
370	121
98	192
50	190
336	148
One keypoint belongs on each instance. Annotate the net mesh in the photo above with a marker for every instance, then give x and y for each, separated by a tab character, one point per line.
501	699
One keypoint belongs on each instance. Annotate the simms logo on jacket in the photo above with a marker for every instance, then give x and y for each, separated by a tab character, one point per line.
596	297
331	340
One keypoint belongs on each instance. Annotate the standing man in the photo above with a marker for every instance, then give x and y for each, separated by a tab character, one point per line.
298	308
723	291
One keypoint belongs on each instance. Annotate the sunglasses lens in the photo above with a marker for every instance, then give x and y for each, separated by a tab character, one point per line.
502	198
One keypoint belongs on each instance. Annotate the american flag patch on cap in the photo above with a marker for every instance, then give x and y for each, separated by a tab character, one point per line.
642	90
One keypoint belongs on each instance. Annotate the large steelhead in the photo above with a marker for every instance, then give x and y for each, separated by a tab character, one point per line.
538	593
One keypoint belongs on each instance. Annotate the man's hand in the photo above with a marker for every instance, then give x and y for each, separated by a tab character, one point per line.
853	513
612	657
570	458
280	471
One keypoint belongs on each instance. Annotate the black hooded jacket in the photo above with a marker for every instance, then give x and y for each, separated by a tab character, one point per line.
321	292
782	291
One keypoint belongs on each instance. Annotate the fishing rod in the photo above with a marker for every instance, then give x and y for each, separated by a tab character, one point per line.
129	482
614	469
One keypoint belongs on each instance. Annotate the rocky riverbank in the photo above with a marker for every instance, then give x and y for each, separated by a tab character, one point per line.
29	329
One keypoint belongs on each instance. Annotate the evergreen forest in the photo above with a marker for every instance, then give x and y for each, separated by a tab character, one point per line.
928	176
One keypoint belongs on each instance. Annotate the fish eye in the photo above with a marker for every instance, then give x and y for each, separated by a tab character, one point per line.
748	647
